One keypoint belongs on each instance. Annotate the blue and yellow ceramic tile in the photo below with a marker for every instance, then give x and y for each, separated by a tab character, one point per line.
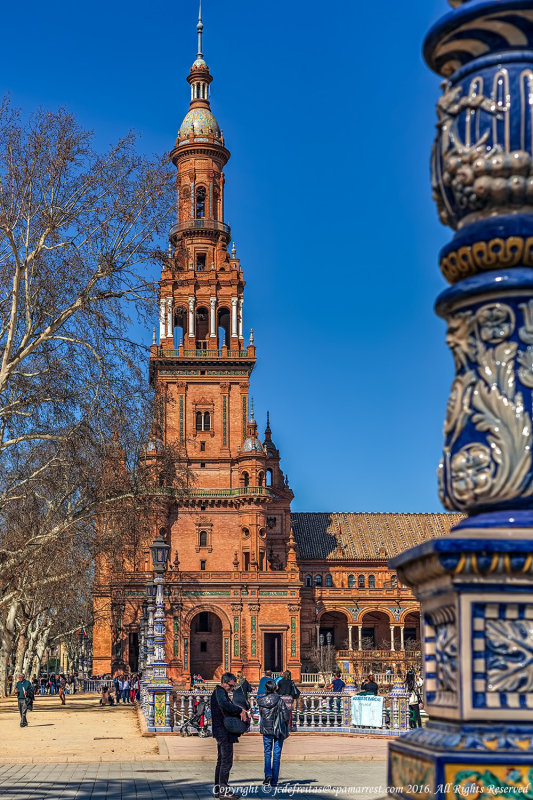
479	781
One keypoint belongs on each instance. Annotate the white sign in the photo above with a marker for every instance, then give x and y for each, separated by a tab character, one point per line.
367	711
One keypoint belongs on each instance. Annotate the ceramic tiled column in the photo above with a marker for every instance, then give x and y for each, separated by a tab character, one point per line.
476	586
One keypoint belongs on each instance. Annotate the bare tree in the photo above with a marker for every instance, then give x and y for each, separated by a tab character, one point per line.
78	235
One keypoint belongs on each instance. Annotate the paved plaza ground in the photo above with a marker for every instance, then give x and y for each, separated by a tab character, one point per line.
86	752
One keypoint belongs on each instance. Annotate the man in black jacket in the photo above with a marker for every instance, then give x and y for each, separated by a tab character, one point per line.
221	706
369	686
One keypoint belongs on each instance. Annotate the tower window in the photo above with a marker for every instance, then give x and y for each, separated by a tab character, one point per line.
202	566
200	204
203	647
269	477
329	580
371	582
351	581
202	445
308	580
361	581
203	422
245	479
318	580
200	262
203	539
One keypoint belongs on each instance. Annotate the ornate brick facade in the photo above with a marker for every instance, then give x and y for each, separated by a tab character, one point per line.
248	585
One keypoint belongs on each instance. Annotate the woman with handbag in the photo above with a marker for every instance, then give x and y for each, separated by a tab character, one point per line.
288	692
275	729
229	722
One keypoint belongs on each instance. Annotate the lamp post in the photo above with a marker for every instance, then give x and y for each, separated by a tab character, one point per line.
159	688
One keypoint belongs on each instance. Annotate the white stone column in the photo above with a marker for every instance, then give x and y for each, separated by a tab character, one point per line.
234	302
360	637
241	303
402	644
162	320
350	637
191	316
392	638
213	317
170	318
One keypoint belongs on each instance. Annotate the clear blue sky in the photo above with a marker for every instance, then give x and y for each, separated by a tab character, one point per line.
328	110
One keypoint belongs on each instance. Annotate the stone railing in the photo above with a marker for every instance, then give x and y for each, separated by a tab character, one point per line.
323	678
313	712
164	353
200	224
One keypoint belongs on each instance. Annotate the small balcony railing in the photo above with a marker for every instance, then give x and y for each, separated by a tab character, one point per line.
200	225
254	491
164	353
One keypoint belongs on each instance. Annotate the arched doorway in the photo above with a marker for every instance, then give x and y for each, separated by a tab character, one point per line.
207	657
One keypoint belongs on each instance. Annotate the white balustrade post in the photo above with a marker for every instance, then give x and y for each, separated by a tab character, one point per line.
392	637
241	303
234	302
213	331
191	316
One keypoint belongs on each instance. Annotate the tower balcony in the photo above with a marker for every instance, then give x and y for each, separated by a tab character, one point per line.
191	225
245	353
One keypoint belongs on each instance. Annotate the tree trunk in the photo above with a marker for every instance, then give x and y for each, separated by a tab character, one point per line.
7	631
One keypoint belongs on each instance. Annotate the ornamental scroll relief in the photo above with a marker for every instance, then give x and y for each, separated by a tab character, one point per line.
488	427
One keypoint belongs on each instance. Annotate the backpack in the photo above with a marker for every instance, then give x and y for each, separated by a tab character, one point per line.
281	726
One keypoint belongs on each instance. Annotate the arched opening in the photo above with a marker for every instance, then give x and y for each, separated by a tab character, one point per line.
245	479
371	581
308	580
351	581
376	631
206	645
269	477
411	631
335	624
180	325
318	580
203	538
202	327
224	322
329	580
260	479
200	202
361	582
207	421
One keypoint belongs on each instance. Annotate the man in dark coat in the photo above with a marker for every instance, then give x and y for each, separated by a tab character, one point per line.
370	686
221	706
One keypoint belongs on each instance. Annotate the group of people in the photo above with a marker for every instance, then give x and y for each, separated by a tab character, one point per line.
127	688
230	719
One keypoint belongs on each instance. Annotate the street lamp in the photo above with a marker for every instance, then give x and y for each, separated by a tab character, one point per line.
159	688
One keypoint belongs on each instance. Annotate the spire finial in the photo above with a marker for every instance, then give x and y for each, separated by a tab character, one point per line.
154	340
252	410
251	335
200	28
233	251
267	429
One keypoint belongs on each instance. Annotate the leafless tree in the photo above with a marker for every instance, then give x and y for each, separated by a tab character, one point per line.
78	236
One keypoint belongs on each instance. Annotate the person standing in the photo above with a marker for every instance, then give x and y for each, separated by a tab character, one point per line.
222	707
336	685
288	692
24	691
266	677
274	727
126	690
369	685
414	687
62	687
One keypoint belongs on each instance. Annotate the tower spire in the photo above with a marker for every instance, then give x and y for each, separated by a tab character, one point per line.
200	29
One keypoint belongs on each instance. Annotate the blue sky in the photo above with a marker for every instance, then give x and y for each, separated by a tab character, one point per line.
328	110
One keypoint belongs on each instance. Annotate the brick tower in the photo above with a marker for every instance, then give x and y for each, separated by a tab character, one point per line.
233	587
